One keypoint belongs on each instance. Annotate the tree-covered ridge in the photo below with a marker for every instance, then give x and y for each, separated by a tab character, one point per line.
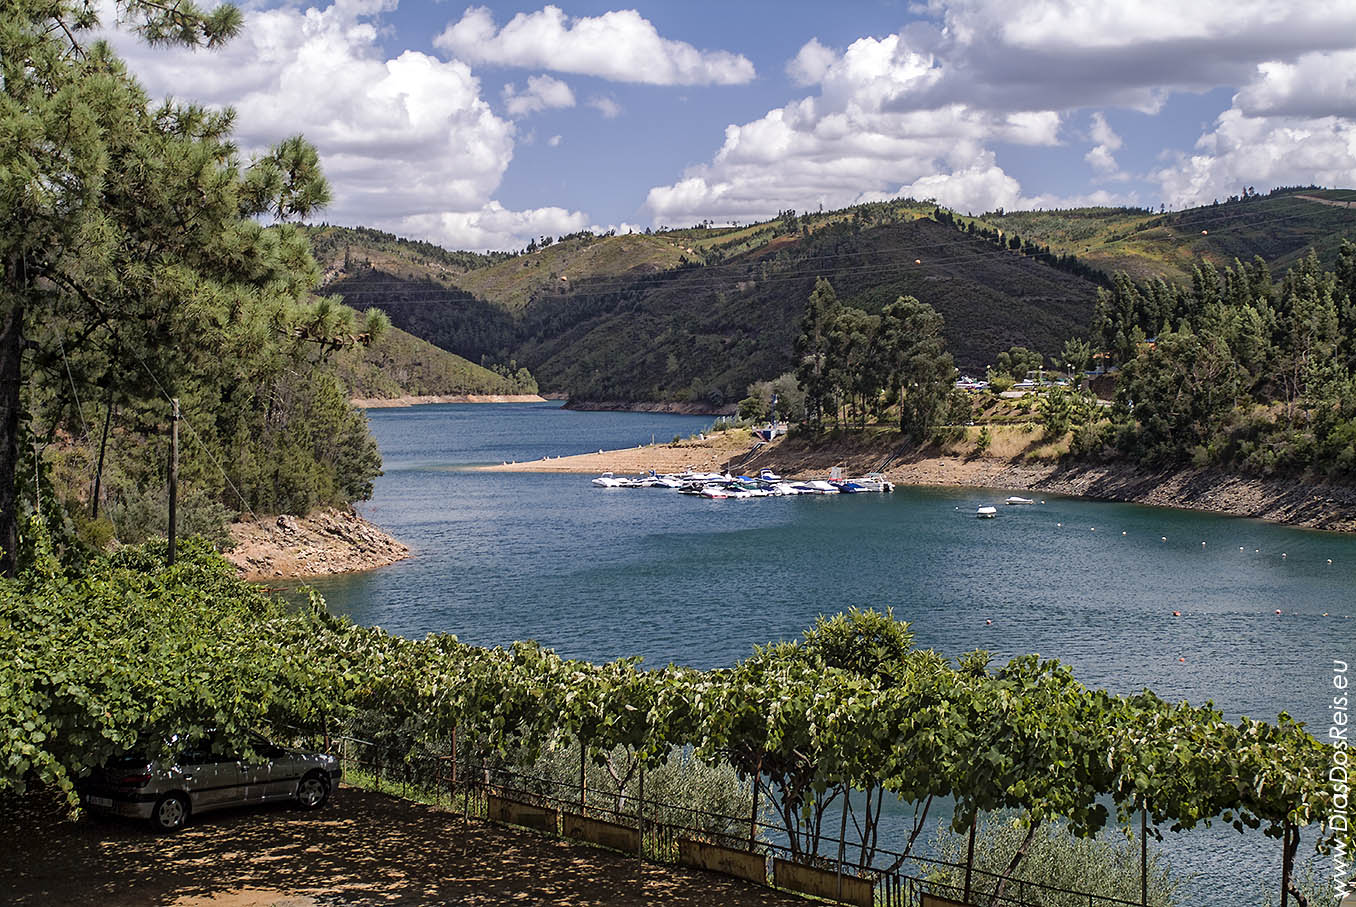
125	654
1281	227
399	364
1236	369
703	334
138	266
337	247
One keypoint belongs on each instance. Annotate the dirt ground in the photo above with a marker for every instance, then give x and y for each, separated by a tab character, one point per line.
362	848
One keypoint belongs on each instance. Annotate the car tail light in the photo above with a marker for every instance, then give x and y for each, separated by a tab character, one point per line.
140	779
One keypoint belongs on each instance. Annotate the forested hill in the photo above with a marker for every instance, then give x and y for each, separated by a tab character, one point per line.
398	364
722	312
1281	227
705	333
697	314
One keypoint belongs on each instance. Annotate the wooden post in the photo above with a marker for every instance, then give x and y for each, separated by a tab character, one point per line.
583	755
753	813
1144	858
173	477
970	857
103	446
640	810
842	841
452	782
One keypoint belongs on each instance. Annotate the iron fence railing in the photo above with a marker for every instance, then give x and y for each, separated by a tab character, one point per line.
467	785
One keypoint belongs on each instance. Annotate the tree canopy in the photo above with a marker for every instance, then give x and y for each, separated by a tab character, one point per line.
138	264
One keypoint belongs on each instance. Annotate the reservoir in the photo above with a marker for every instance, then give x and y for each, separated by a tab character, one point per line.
604	573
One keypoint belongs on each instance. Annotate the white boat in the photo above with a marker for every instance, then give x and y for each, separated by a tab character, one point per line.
818	486
1016	500
986	512
768	475
872	481
608	480
784	488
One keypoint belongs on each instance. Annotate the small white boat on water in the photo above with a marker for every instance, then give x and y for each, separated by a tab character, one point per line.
872	481
986	512
1016	500
608	480
768	475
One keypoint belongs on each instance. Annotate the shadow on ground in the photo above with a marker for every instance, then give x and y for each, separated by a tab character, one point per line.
362	848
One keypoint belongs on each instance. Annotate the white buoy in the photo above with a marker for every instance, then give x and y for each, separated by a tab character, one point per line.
1330	560
1092	529
1202	544
1283	555
1164	539
1122	532
1059	525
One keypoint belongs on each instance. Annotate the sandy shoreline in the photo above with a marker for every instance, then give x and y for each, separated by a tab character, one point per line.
1289	501
386	402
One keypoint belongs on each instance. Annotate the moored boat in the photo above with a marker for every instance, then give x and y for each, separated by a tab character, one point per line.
986	512
1014	499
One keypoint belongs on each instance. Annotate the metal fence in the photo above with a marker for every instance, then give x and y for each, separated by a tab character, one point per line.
674	833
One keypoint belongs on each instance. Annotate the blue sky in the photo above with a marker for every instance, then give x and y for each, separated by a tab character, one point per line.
481	126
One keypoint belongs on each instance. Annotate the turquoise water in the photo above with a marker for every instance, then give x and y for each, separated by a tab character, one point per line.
601	573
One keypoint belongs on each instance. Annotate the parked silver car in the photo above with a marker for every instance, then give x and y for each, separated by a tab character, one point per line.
200	781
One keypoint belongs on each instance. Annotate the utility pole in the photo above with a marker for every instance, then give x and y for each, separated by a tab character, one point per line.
173	476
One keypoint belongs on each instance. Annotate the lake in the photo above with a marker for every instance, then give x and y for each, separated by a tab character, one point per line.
602	573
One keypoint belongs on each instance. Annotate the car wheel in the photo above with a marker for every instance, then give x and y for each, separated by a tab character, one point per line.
171	812
313	791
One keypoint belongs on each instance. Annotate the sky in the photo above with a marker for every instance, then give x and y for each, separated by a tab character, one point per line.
483	126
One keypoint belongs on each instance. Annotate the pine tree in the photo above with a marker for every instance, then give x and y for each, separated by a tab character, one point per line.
130	230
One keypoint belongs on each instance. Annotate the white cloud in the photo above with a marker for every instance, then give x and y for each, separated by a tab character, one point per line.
609	108
857	140
811	63
493	226
1084	53
921	112
1317	84
1261	151
408	143
1106	143
620	45
1292	124
542	92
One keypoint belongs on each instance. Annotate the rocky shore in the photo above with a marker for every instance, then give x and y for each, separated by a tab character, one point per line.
326	542
1305	504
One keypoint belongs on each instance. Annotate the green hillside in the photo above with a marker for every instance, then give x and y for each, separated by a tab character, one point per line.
697	314
399	364
445	316
705	333
549	271
1280	227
